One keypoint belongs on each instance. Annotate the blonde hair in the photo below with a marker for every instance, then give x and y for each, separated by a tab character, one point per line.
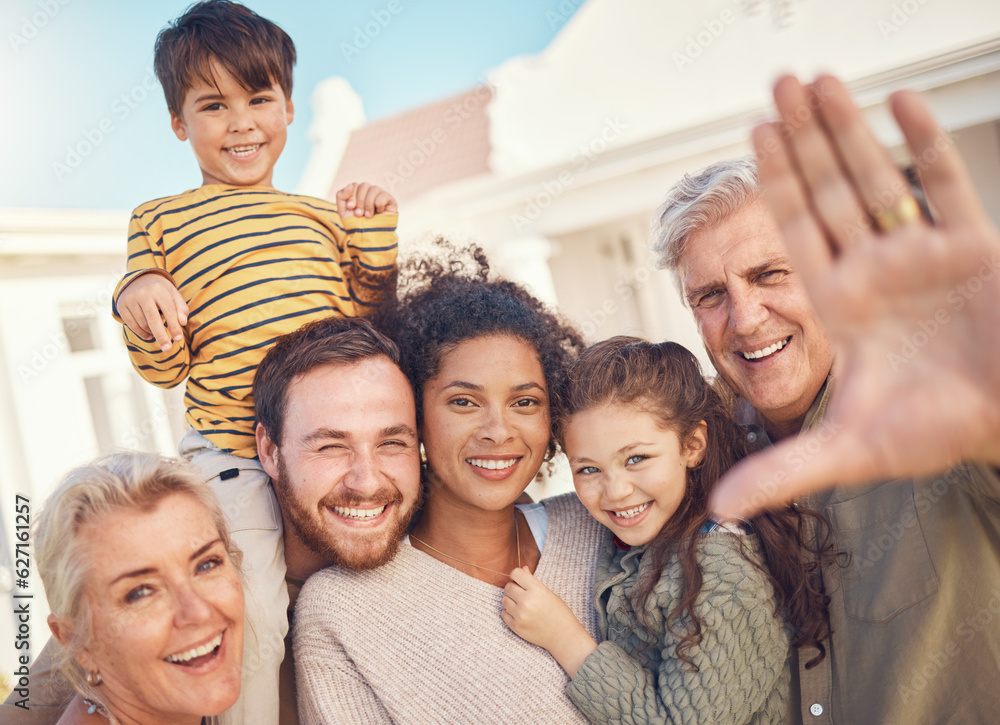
122	481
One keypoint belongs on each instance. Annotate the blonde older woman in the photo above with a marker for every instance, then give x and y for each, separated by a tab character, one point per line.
144	587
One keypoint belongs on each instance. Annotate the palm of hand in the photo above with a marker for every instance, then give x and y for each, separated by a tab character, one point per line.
892	306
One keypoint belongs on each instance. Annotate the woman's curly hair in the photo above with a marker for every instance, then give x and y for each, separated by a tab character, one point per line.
448	299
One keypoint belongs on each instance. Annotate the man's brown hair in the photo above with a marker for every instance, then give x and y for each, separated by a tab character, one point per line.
253	49
331	341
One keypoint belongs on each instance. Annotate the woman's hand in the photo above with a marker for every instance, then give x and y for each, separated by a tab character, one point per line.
536	614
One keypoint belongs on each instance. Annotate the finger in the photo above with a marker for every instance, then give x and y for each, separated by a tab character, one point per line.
829	192
786	472
521	577
181	307
360	194
171	316
154	323
878	181
345	199
805	239
386	203
942	171
371	197
135	325
509	603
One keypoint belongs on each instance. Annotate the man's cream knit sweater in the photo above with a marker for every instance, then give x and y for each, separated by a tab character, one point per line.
417	642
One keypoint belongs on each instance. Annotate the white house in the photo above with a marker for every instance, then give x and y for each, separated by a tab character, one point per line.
67	390
556	163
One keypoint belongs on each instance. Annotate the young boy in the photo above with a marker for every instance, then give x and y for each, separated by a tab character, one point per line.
217	274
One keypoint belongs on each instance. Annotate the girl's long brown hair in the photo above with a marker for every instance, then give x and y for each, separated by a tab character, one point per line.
665	380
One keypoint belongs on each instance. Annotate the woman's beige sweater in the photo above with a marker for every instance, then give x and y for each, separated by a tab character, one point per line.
416	641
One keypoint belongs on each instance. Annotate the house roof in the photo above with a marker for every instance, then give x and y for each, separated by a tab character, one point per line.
418	150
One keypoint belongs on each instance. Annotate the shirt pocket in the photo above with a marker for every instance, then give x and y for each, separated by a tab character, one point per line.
890	568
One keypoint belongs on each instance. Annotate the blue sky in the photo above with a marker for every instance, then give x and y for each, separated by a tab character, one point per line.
85	125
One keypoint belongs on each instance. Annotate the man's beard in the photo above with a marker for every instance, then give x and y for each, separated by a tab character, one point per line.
366	549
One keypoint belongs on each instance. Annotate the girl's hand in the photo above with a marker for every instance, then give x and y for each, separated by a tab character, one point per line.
533	611
539	616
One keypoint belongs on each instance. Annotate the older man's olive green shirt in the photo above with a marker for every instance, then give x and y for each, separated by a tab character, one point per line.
916	612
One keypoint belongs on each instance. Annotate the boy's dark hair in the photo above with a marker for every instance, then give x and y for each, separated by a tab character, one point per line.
665	380
253	49
330	341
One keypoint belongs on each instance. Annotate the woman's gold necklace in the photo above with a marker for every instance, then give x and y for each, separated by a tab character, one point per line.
517	538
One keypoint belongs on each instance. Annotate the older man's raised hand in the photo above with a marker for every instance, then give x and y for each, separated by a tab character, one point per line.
913	309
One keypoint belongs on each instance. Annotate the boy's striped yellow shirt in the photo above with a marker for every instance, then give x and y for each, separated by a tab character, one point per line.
252	264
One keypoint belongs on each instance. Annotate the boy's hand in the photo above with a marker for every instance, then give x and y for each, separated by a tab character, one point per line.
536	614
365	200
148	301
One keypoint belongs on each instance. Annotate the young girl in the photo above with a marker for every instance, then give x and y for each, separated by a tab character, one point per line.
693	612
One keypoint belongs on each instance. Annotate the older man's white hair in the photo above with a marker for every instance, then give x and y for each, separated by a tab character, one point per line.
701	201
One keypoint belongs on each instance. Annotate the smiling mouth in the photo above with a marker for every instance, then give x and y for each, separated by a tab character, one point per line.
490	464
358	514
243	150
197	655
632	512
767	351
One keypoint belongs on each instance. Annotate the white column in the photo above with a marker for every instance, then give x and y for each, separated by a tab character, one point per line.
525	260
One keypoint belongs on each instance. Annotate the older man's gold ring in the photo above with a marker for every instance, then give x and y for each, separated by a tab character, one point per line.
905	210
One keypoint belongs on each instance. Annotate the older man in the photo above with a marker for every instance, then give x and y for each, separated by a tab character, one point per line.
914	613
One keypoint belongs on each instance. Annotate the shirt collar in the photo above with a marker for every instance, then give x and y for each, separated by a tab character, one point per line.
746	416
817	411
